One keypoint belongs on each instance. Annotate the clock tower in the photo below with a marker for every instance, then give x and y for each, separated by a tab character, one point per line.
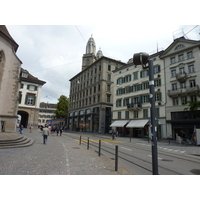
90	56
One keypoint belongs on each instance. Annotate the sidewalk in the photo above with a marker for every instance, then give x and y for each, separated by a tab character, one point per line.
60	156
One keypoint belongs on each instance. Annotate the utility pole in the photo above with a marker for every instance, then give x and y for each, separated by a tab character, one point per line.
142	59
153	119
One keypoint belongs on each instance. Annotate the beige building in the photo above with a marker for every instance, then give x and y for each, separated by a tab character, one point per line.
182	70
46	113
91	92
9	81
29	99
131	106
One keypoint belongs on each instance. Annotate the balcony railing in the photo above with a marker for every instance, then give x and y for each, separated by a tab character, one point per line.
186	90
181	76
134	106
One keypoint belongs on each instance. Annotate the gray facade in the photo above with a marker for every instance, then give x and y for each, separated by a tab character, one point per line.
91	92
182	70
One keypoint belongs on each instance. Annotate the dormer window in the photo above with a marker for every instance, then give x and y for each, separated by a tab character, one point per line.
24	74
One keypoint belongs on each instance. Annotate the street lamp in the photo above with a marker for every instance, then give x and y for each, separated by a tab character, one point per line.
142	59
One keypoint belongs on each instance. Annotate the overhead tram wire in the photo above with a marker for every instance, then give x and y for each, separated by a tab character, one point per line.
80	34
190	30
56	66
63	64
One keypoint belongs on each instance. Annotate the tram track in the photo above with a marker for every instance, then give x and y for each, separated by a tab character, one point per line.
127	157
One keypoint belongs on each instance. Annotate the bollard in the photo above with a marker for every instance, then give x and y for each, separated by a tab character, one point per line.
88	144
169	141
116	158
130	138
80	140
99	147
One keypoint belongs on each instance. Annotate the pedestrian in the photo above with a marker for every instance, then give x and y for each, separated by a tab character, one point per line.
113	134
60	131
116	133
57	130
185	137
21	129
45	134
41	128
31	128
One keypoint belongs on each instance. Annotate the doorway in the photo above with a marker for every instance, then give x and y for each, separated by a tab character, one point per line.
24	118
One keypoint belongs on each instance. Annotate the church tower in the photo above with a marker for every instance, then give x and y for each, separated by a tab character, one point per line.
89	56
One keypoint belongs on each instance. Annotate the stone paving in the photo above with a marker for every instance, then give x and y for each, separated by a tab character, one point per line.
60	156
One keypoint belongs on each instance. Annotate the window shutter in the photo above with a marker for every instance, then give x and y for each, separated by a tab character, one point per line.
28	87
160	96
158	68
159	82
20	97
26	100
36	88
131	88
34	100
140	99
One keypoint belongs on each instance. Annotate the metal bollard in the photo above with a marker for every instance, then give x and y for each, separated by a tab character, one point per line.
80	140
169	141
99	147
116	158
88	144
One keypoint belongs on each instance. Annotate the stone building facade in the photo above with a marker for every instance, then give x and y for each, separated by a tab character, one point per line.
29	99
91	92
46	113
131	105
182	72
9	81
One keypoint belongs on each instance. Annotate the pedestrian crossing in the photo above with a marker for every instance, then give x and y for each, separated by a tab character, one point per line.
97	141
164	148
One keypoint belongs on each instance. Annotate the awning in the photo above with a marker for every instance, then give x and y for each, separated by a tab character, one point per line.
119	123
137	123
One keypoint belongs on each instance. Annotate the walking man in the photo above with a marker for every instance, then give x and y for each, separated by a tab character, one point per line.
45	134
60	131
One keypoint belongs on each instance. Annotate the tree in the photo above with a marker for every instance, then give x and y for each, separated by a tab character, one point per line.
193	106
62	107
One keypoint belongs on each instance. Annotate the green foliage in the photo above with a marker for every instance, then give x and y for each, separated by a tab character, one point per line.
193	105
62	107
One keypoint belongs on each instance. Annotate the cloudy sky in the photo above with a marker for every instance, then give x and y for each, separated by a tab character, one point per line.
53	53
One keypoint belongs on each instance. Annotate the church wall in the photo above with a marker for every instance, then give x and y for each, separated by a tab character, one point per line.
9	85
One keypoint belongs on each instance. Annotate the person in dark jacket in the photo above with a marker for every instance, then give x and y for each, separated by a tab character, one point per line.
61	131
185	137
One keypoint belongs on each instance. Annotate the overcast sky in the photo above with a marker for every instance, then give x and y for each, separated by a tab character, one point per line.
53	53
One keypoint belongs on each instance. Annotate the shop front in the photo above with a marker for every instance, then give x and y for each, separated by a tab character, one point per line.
138	128
119	126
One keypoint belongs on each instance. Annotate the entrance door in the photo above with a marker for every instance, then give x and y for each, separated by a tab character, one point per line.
24	118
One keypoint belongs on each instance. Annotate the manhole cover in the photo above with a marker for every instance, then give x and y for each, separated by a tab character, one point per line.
76	148
167	160
195	171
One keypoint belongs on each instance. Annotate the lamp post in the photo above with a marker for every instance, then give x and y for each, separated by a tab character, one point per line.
142	59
